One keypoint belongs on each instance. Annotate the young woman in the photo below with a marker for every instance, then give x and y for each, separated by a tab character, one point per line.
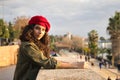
34	50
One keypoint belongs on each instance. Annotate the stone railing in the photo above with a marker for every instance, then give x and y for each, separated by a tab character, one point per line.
8	55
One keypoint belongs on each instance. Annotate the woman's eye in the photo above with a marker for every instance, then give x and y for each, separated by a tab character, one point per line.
40	28
37	28
43	29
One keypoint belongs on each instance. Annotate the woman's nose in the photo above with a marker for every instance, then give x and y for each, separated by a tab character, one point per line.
39	31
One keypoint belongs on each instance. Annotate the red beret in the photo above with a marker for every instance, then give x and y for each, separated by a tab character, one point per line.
41	21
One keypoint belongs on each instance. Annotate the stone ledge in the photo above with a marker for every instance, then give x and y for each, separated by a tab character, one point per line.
8	55
68	74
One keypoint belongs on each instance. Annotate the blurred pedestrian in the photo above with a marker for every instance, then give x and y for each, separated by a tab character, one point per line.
100	64
118	66
109	64
117	78
92	64
53	53
105	63
108	78
80	56
86	59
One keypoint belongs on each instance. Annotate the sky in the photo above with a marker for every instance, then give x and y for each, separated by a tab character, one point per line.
77	17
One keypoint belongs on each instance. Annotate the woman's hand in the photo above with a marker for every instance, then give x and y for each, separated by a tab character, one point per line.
78	65
68	65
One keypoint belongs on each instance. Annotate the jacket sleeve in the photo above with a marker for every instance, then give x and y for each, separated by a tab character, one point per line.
37	57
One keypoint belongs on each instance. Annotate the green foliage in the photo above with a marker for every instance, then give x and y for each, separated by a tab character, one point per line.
6	32
1	27
16	34
11	31
114	32
114	26
52	42
102	38
109	57
109	51
93	42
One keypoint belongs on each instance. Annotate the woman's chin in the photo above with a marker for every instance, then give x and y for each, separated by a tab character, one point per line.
38	38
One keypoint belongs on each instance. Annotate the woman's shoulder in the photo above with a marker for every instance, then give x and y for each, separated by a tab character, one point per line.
27	44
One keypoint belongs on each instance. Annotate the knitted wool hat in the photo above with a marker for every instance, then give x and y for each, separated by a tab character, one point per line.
41	21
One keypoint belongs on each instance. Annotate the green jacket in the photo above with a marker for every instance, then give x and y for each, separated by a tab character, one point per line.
30	60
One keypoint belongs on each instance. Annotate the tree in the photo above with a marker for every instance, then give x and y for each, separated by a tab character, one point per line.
93	42
1	27
77	42
109	51
20	23
4	31
52	42
114	32
103	42
6	34
11	31
103	46
102	38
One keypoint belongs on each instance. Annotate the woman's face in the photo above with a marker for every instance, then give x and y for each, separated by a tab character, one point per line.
39	31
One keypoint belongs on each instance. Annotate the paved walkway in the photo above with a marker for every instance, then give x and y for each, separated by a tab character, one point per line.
104	72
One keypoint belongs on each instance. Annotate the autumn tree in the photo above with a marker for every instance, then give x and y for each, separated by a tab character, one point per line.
77	42
20	23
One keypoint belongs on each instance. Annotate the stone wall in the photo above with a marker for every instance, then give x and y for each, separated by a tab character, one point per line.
8	55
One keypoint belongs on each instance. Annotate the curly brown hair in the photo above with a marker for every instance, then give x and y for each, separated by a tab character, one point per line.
43	43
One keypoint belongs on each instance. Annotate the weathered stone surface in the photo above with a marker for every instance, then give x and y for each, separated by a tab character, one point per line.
55	74
8	55
68	74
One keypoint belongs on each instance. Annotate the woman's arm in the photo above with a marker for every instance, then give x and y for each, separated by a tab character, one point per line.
67	65
38	58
